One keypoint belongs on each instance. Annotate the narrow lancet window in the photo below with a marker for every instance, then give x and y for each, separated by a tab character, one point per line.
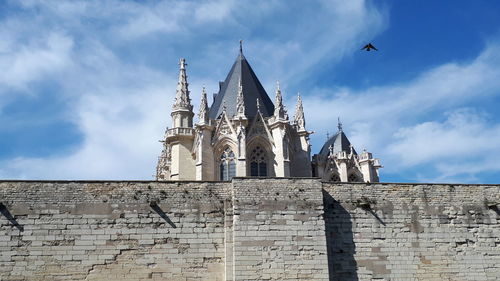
227	165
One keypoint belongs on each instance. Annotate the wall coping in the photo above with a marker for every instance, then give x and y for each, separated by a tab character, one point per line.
244	178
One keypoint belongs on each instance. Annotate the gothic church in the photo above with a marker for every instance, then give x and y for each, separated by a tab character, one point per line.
244	134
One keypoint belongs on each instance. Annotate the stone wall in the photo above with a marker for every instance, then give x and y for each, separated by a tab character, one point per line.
412	232
248	229
278	231
112	231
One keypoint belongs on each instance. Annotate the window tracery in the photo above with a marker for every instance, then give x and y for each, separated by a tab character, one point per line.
353	178
258	162
227	165
335	178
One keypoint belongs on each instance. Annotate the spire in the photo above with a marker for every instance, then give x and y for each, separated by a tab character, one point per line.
339	124
182	100
203	114
299	114
240	103
228	92
279	109
241	47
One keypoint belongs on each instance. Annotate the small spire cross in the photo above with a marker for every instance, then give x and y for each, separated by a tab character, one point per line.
339	125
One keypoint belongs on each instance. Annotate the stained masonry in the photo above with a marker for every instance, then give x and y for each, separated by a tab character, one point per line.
248	229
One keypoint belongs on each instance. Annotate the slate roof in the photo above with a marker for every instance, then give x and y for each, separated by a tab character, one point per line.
252	89
339	142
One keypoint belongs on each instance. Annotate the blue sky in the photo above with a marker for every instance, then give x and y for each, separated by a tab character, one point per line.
86	86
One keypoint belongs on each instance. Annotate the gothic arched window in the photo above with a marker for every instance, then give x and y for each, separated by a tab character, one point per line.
335	178
353	178
227	165
258	162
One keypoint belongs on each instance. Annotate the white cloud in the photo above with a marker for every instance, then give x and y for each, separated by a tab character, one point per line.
213	11
22	64
396	122
463	135
121	107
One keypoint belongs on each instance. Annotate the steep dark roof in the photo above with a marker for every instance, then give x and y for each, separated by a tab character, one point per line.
339	142
252	89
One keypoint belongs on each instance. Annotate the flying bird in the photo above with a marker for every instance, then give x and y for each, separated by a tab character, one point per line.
368	47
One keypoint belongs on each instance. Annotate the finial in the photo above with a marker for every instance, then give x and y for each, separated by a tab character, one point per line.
241	47
224	106
182	63
327	135
258	104
339	124
278	85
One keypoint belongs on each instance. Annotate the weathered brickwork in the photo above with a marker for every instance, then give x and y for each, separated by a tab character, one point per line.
412	232
112	231
279	231
248	229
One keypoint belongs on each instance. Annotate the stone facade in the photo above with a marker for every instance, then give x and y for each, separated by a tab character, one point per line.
243	133
248	229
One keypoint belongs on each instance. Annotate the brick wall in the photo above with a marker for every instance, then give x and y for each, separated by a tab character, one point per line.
250	229
412	232
112	231
278	231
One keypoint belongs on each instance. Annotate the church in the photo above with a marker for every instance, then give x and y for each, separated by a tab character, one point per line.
244	134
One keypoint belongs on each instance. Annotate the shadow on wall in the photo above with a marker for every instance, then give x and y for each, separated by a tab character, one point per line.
339	241
5	212
161	213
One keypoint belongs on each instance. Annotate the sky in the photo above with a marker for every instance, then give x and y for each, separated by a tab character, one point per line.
86	87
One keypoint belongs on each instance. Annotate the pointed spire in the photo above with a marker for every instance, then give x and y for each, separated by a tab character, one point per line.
339	124
299	115
240	103
279	108
279	98
203	114
241	47
182	99
253	89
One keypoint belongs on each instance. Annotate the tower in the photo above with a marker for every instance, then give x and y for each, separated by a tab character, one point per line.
176	161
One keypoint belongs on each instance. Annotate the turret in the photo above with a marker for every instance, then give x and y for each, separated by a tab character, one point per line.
179	139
